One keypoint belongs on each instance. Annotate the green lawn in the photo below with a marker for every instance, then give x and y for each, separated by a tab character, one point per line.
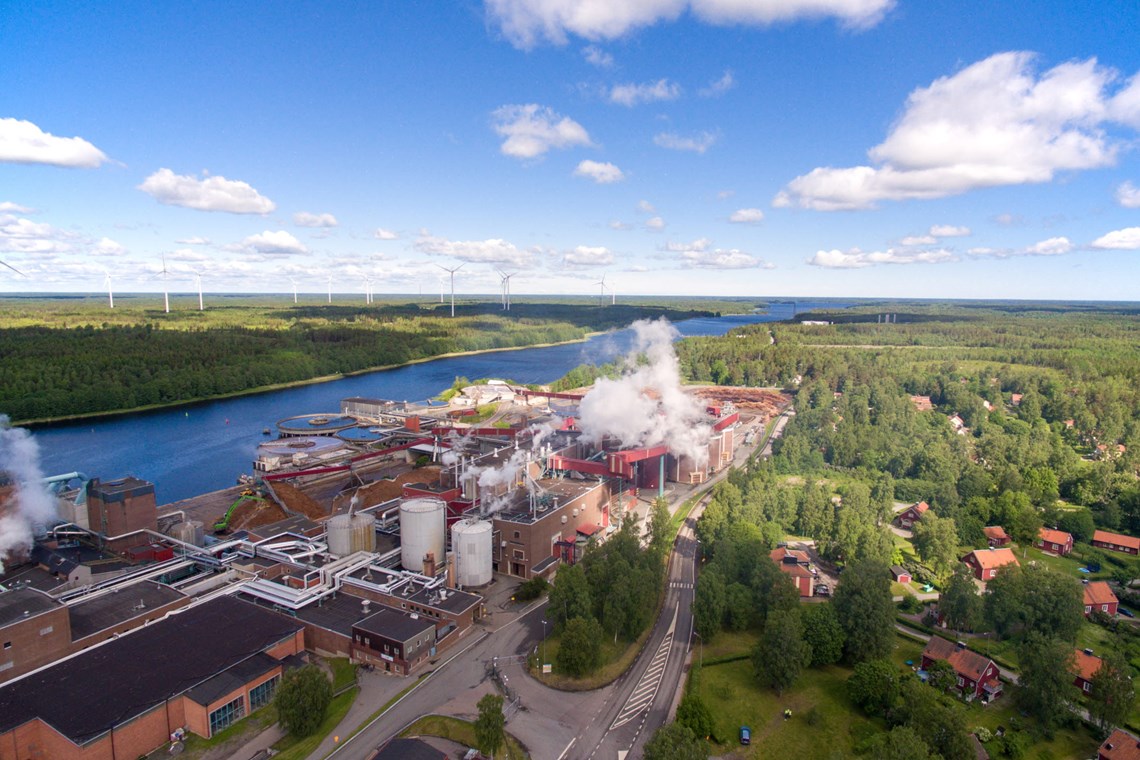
1066	743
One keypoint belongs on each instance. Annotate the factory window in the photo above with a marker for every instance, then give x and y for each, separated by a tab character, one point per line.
7	665
260	696
7	644
46	631
517	534
226	715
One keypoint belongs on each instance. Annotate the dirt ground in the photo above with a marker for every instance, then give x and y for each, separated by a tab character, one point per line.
762	402
385	489
298	501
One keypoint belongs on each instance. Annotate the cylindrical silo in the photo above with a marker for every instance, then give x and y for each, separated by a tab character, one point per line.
421	532
471	542
363	533
339	535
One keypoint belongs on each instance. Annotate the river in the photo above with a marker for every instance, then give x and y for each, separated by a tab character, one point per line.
189	450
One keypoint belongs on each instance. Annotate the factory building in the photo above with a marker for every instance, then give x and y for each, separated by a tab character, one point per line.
202	669
120	509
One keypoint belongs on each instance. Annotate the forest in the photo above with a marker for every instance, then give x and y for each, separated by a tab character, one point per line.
69	357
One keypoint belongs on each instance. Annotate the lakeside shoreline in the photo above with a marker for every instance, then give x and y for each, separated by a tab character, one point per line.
111	414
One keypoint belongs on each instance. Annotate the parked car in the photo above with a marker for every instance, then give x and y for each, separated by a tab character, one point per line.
822	589
1126	612
745	735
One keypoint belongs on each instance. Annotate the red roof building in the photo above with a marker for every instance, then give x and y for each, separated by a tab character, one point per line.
912	514
985	563
1116	542
1087	664
977	674
1055	541
900	574
922	403
996	536
794	564
1099	597
1120	745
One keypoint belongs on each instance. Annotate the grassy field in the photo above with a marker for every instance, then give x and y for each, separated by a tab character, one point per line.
461	731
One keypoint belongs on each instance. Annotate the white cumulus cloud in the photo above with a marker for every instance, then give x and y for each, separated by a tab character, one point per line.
8	207
493	251
647	92
1127	239
601	172
948	230
384	234
196	240
918	240
697	144
595	56
214	193
746	216
994	123
585	255
655	223
22	142
531	130
527	23
280	242
1128	195
1055	246
108	247
718	87
855	258
306	219
646	207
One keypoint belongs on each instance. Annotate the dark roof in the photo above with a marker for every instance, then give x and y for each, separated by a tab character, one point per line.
93	615
232	679
394	625
337	614
85	696
546	564
899	570
24	602
455	603
408	749
963	661
117	490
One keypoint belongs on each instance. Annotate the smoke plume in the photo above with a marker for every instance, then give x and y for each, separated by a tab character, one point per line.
647	405
31	505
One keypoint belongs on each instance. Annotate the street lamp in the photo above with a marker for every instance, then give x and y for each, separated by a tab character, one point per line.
543	663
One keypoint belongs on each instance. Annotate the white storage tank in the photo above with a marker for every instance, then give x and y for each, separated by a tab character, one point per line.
422	529
339	535
471	542
363	529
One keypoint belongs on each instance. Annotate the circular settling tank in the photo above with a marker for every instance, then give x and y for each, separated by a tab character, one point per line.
315	424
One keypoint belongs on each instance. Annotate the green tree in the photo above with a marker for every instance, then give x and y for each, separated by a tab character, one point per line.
695	715
874	686
569	597
781	654
580	651
960	604
302	698
1111	695
865	611
900	743
1079	522
936	539
490	733
1045	681
674	741
709	599
937	719
941	676
658	527
823	633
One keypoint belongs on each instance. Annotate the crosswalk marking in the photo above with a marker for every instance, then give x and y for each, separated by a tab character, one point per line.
679	584
646	688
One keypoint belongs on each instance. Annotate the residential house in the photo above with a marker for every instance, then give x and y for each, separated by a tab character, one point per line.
794	563
922	403
1015	399
978	676
985	563
1056	541
900	574
996	536
1116	542
958	424
1086	666
912	514
1099	597
1120	745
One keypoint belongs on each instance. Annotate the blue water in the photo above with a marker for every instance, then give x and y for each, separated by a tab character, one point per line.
195	449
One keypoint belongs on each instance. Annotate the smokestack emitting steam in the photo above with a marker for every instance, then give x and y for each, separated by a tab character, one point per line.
32	505
647	405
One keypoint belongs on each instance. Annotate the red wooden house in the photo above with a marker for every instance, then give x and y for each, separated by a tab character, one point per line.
912	514
1116	542
794	563
977	674
1056	541
985	563
1120	745
996	536
1099	597
1087	664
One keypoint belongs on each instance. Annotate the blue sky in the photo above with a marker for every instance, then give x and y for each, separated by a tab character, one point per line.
878	148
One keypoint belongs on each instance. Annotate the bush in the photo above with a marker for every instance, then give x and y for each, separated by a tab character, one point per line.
302	699
910	604
531	589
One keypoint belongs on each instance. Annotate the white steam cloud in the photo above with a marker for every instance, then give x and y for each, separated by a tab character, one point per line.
647	406
32	505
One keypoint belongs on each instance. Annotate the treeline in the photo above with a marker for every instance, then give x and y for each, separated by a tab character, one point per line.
52	372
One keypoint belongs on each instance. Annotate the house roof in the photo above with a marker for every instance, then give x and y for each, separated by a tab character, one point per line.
995	531
778	554
1120	745
1054	536
796	571
919	507
1098	593
1118	539
964	662
134	673
1086	664
899	570
988	559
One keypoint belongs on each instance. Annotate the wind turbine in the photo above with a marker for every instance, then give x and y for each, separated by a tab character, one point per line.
330	288
110	293
452	273
367	289
165	289
507	279
442	282
602	297
294	281
198	277
502	288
